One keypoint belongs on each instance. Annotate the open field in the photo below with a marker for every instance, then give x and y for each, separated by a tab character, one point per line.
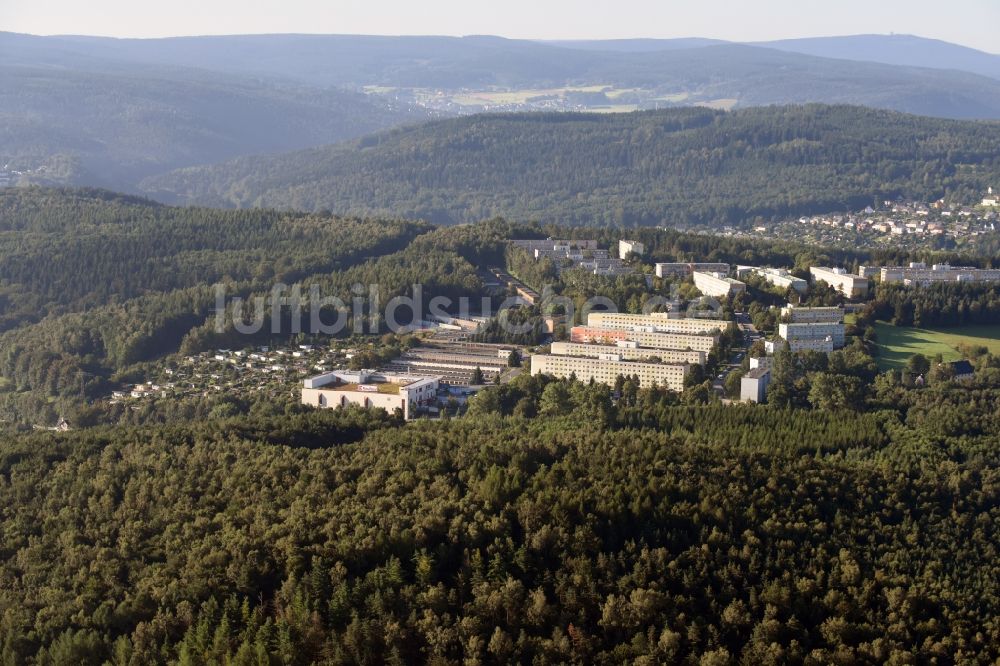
896	344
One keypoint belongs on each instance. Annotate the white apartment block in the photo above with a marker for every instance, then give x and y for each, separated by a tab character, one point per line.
607	370
626	246
370	390
823	337
702	342
797	314
717	284
920	275
683	269
778	277
753	385
850	285
659	322
628	351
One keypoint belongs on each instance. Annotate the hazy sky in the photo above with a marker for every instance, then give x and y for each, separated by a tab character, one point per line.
974	23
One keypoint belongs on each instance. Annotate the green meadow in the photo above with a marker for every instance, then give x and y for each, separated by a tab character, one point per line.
896	344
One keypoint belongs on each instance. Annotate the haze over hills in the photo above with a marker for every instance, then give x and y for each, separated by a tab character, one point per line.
116	124
675	166
896	50
110	112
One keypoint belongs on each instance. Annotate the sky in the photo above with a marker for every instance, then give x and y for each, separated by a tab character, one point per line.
974	23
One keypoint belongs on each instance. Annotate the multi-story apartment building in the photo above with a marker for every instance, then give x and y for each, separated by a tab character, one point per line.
607	370
660	322
823	337
627	246
702	342
797	314
753	385
920	275
852	286
717	284
779	277
683	269
628	351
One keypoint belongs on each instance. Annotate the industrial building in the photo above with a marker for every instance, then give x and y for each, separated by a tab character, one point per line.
607	370
371	390
717	284
850	285
454	363
628	351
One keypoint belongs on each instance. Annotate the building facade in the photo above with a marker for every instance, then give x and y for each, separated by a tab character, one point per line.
822	337
683	269
753	385
371	390
660	322
717	284
644	338
628	351
850	285
607	370
920	275
627	246
797	314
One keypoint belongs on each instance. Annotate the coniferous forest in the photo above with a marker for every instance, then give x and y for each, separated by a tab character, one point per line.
853	520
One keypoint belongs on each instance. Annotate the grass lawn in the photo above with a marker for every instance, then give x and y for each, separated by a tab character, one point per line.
896	344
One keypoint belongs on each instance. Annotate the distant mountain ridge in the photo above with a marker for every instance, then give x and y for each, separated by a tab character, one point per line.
680	166
111	112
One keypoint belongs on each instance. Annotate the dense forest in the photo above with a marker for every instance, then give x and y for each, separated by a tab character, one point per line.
712	535
669	168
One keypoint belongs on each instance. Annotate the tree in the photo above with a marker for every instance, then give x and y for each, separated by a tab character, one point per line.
918	364
555	400
830	391
477	377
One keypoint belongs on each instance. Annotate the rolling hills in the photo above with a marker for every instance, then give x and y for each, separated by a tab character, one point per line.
691	71
675	166
114	124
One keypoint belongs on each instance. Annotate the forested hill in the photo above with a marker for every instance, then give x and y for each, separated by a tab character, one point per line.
689	165
111	123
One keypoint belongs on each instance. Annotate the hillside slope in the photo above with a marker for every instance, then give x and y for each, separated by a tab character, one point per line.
909	50
674	166
112	123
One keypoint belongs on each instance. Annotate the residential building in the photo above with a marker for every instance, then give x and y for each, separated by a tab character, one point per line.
852	286
797	314
628	351
717	284
963	371
823	336
779	277
371	390
607	370
753	385
630	246
920	275
683	269
660	322
702	342
764	362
